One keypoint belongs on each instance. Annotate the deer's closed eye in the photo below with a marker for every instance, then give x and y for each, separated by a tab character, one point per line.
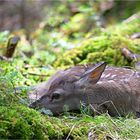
56	96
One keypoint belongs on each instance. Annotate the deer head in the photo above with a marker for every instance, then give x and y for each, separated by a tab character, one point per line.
69	88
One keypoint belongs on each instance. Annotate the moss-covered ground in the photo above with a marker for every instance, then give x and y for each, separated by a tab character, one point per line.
104	47
31	65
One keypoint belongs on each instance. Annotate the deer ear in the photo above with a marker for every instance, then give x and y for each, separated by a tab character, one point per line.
93	74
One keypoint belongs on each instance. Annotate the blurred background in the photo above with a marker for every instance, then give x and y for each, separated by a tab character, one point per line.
51	27
51	14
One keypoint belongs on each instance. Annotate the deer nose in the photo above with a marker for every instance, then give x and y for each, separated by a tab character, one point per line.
33	105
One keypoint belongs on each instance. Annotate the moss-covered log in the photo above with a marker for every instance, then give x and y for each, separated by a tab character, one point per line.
104	47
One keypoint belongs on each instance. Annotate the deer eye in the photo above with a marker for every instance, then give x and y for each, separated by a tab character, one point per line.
55	96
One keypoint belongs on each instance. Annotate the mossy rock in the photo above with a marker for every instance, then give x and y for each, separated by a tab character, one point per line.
104	47
24	123
21	122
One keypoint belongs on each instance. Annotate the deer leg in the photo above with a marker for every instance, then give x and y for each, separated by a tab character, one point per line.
105	107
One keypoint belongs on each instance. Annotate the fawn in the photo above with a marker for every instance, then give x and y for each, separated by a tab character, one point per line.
104	88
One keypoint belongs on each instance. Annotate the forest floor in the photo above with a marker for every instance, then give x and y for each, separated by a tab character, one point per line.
34	62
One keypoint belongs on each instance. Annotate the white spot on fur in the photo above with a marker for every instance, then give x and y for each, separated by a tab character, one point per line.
103	75
110	81
100	82
113	76
108	75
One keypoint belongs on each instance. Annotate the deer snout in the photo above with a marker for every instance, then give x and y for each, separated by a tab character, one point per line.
40	103
33	105
36	104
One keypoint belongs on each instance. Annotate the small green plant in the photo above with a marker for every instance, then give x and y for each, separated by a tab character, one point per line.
84	109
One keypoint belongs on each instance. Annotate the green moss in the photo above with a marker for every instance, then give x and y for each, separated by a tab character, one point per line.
20	122
105	47
24	123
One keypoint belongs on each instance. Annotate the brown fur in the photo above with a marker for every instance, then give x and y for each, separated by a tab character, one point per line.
111	89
